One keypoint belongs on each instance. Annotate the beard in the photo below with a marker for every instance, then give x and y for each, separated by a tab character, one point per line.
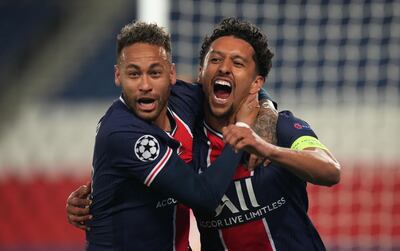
220	115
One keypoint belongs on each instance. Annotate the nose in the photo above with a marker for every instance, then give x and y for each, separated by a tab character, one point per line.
225	67
145	85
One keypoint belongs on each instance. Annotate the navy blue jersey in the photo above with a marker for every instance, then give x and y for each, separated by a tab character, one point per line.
265	209
139	174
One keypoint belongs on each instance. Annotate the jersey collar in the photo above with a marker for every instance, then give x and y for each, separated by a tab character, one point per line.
211	130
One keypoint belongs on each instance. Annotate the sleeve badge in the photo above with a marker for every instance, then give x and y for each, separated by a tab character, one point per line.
147	148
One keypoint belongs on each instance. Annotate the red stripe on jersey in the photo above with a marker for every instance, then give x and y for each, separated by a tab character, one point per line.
241	172
253	235
158	167
185	137
182	134
216	144
182	226
250	236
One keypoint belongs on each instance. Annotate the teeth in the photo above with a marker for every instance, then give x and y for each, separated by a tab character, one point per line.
222	82
221	100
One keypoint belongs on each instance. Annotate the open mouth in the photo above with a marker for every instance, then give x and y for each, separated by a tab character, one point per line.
146	104
222	89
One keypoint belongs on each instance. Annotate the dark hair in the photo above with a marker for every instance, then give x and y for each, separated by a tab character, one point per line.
141	32
249	33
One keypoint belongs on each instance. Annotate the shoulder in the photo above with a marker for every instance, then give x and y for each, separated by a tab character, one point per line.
287	118
186	92
187	101
186	87
289	128
119	118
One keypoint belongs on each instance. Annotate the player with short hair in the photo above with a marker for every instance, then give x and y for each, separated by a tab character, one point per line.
141	144
264	209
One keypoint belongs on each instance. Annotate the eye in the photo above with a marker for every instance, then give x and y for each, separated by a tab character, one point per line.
133	74
155	74
238	63
215	60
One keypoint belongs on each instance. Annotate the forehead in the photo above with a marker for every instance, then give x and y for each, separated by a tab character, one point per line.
143	52
231	45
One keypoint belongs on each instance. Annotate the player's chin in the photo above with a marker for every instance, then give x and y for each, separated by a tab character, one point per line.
221	110
148	115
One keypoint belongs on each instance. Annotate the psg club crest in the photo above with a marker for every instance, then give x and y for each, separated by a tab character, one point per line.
147	148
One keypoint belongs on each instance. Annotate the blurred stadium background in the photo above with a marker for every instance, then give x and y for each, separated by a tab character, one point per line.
336	65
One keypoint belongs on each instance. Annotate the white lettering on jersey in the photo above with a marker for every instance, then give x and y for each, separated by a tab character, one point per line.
252	195
228	203
166	202
252	214
242	203
239	192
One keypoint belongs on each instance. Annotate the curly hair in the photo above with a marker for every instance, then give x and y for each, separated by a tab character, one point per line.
141	32
248	32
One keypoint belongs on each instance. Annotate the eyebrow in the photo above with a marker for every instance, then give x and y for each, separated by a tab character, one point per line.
130	66
235	56
156	65
134	66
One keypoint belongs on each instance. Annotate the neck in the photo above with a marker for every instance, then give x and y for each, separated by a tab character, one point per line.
217	123
162	120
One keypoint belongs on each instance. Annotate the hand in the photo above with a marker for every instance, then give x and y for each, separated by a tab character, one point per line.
245	138
78	206
254	161
248	109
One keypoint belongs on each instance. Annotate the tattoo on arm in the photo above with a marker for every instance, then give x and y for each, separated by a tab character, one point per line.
265	125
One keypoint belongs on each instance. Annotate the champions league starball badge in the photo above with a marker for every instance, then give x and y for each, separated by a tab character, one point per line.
147	148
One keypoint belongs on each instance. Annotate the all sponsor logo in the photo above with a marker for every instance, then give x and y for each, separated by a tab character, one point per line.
241	211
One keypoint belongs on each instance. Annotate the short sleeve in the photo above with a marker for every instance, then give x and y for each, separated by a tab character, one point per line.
295	133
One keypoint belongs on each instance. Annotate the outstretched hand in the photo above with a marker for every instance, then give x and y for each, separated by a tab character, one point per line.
77	207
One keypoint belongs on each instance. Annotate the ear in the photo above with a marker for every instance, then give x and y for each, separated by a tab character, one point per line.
199	74
172	74
117	75
257	84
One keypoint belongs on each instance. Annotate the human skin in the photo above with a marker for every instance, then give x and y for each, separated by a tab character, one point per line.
146	76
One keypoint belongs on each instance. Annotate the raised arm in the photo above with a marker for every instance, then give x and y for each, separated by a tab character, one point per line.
264	125
307	158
